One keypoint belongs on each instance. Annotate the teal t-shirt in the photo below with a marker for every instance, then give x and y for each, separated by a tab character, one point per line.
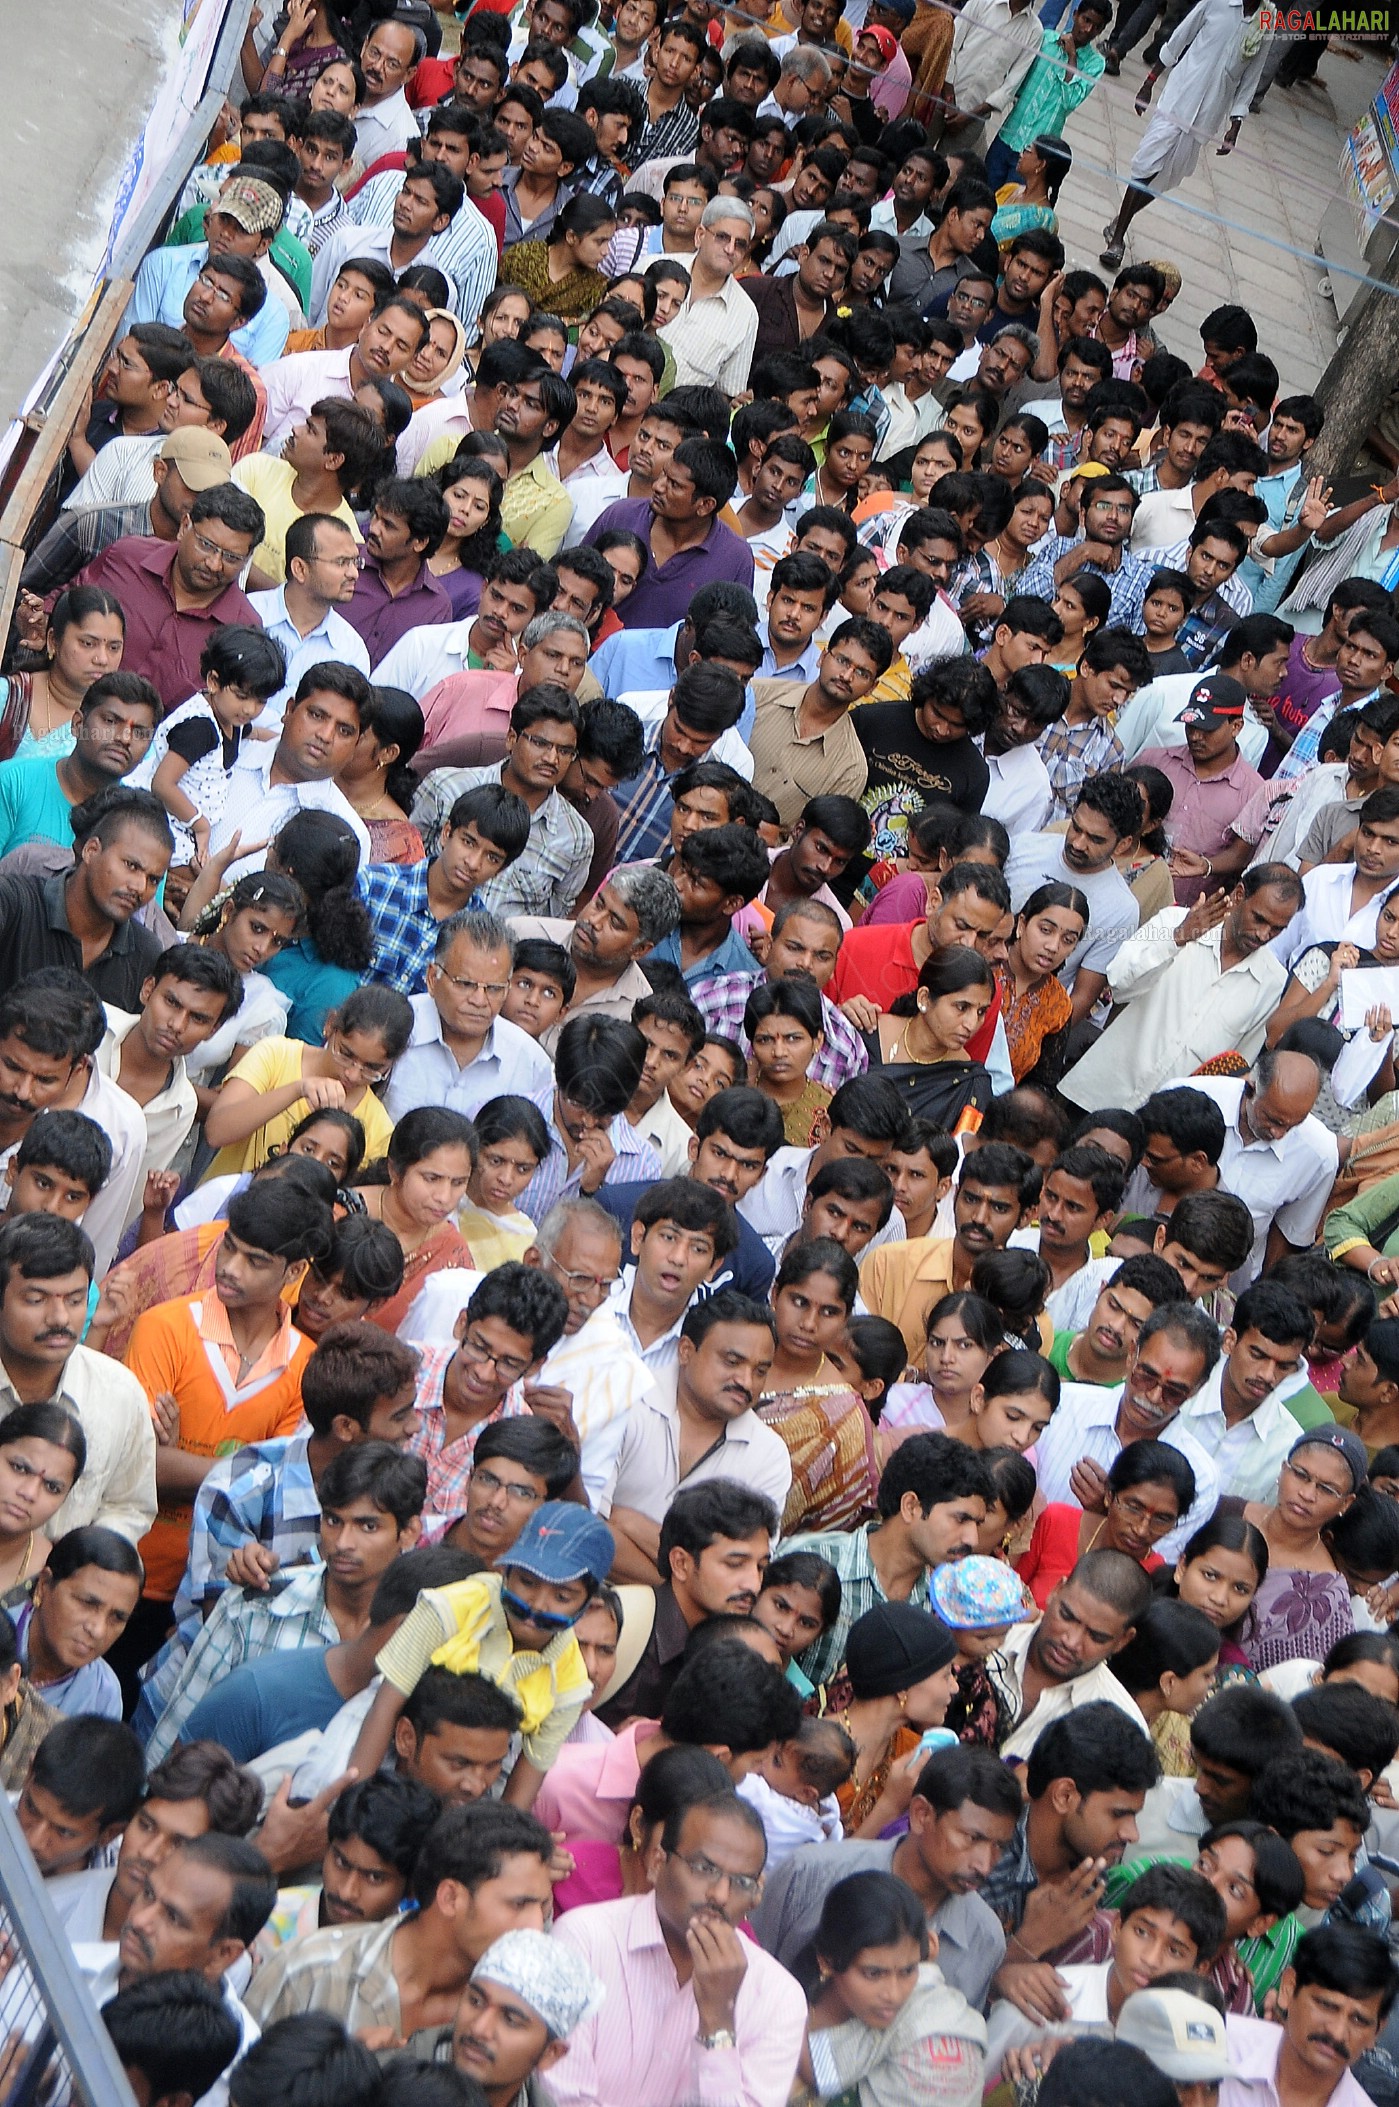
32	806
312	985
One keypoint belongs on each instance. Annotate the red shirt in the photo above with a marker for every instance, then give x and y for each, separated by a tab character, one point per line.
163	641
878	963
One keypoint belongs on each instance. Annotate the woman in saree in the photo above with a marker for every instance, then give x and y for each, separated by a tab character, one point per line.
426	1170
825	1424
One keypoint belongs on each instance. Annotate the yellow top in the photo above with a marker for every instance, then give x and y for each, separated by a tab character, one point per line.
268	1066
463	1627
269	480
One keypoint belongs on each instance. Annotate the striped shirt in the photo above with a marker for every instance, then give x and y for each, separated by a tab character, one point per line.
712	338
549	876
465	251
633	1157
722	999
674	135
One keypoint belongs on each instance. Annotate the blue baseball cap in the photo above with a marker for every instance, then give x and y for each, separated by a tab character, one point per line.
563	1542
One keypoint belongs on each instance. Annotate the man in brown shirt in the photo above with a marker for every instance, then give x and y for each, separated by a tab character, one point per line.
803	743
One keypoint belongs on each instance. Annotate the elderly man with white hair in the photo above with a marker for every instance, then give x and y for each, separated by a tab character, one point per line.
716	329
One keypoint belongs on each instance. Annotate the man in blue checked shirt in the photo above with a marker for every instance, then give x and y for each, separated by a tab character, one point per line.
487	830
597	1066
1100	547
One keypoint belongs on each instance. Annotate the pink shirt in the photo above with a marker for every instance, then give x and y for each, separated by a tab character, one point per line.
589	1788
1253	2052
464	703
641	2047
1203	809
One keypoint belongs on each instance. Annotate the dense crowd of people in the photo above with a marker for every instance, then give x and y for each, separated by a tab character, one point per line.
699	1274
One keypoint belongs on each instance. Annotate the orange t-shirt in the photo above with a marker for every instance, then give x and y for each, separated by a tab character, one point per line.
184	1347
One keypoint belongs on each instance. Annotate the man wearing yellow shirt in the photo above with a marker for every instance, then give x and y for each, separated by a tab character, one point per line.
321	461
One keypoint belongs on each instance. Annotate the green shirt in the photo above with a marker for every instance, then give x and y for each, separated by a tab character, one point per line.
1372	1217
1309	1408
292	257
1048	96
1058	1358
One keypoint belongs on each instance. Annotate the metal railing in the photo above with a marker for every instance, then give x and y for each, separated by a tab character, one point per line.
54	2049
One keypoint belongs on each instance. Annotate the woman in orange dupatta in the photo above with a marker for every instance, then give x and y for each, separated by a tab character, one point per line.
426	1172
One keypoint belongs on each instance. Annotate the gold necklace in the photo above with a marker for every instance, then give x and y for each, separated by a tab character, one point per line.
926	1060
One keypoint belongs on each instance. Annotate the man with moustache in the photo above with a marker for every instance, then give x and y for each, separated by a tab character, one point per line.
702	1425
394	332
201	1909
526	1995
1177	1349
903	1280
1332	2002
46	1267
693	2010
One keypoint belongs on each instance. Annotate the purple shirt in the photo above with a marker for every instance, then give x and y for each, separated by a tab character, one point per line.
382	617
1304	688
665	590
163	641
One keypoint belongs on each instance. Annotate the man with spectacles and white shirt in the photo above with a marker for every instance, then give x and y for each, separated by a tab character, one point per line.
1177	1349
322	566
462	1052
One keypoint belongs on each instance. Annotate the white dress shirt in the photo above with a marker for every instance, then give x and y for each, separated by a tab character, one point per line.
427	1072
1084	1425
332	638
648	1465
1182	1008
1287	1181
1152	718
1326	915
712	339
1019	794
297	381
651	704
258	809
168	1116
465	251
98	1964
1248	1455
124	1124
386	128
774	1206
1098	1686
432	652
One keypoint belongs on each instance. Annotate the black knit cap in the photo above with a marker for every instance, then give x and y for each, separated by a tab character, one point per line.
894	1646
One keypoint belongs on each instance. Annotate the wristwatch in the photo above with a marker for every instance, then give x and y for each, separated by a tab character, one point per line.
721	2038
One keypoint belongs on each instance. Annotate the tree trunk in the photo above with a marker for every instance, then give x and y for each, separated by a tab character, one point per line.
1357	383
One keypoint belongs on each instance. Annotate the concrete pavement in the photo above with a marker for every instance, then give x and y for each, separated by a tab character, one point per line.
1264	202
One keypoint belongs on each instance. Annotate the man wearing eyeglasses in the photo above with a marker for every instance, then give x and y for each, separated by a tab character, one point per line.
694	2011
462	1051
1177	1349
546	876
175	595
